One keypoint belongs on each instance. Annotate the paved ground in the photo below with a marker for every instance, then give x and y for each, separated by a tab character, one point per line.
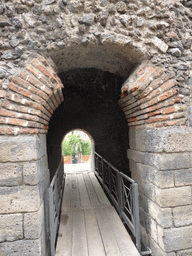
76	168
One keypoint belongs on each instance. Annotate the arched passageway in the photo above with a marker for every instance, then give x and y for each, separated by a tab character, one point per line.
78	148
91	103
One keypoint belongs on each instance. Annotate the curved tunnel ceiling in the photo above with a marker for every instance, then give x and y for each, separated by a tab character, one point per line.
109	57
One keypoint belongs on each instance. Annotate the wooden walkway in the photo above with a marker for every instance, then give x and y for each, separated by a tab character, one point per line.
89	224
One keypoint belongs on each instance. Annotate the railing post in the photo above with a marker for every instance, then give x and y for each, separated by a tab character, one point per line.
102	171
136	215
110	178
120	194
96	163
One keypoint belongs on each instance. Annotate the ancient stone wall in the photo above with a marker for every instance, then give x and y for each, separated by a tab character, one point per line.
148	42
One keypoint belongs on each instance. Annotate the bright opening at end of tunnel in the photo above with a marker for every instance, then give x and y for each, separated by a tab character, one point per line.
77	151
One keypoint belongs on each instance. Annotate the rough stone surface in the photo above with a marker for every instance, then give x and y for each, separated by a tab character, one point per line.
173	196
21	247
185	253
159	140
182	215
183	177
163	216
19	199
21	148
11	174
162	46
33	224
168	161
11	227
175	239
113	36
30	173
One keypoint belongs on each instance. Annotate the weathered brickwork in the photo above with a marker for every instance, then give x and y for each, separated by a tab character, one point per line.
148	43
31	100
150	98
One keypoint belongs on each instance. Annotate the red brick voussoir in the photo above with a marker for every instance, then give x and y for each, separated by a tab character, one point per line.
150	98
31	98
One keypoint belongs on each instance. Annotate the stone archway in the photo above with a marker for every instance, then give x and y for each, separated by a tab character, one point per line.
149	99
92	146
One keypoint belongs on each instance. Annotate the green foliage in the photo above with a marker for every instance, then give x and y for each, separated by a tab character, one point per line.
86	148
73	144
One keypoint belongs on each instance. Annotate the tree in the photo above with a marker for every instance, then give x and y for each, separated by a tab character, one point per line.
86	148
73	145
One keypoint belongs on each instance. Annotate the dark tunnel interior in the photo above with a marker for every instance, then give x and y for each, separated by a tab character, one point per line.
90	103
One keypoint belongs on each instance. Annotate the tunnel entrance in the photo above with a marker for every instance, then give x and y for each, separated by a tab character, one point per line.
78	149
91	103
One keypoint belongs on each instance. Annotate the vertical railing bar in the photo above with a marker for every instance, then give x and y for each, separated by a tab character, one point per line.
102	170
136	215
120	195
51	220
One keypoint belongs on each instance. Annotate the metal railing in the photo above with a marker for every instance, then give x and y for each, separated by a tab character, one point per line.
123	192
55	192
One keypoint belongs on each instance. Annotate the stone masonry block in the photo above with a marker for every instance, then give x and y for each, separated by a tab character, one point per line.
169	161
21	248
161	139
145	187
135	155
162	179
19	199
148	189
185	253
163	216
173	196
168	140
10	174
33	224
152	229
183	177
36	171
157	250
22	148
136	140
182	215
175	239
30	173
11	227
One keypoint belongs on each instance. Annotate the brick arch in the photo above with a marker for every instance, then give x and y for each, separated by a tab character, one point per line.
150	98
31	98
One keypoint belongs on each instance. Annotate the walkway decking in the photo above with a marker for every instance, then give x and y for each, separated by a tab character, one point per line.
89	224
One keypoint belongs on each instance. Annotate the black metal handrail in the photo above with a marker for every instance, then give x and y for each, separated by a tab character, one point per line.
55	192
123	192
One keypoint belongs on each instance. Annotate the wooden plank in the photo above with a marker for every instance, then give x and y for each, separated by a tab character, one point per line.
109	240
75	199
84	197
91	191
64	242
66	204
99	191
79	243
122	237
95	244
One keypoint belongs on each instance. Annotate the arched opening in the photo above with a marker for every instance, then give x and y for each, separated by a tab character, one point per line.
91	103
78	148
